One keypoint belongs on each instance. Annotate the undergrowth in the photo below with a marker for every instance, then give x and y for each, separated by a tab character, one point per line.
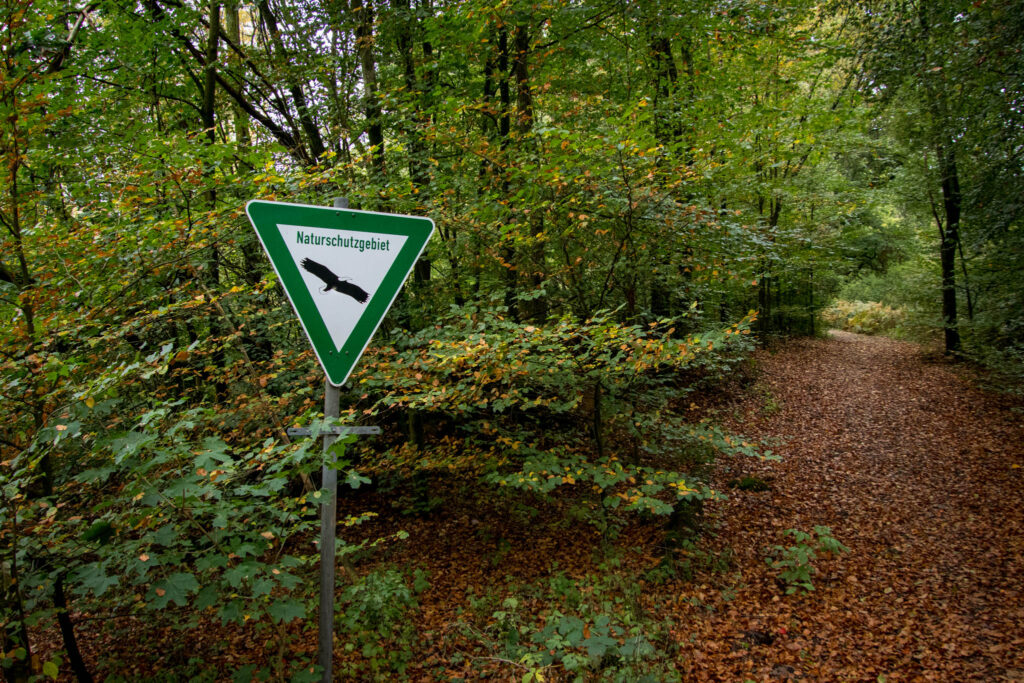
863	317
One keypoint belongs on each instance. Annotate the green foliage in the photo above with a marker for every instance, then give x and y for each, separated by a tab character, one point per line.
181	499
179	520
689	560
862	317
492	364
794	563
375	619
607	387
951	126
908	287
593	630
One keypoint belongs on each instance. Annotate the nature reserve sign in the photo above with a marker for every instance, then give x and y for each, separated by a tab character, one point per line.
341	270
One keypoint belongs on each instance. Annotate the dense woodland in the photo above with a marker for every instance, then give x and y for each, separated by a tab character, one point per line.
629	196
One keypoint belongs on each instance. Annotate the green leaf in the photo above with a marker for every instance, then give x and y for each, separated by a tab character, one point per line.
165	535
50	669
101	531
94	577
355	480
262	586
231	612
215	561
306	674
245	674
286	609
206	598
175	588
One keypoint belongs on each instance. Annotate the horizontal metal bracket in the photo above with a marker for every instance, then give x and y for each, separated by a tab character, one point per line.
337	431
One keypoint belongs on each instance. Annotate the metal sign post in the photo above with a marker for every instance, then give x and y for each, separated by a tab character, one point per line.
328	524
341	270
328	528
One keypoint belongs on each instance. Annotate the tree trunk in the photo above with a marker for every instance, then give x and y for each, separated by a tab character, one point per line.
67	632
14	631
941	126
232	28
309	128
532	262
418	165
211	274
947	249
508	251
667	128
363	12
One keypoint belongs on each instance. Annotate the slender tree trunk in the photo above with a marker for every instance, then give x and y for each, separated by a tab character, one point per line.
14	634
667	134
207	108
945	154
508	252
532	263
14	631
257	343
405	42
667	127
252	257
417	122
688	128
233	30
23	276
211	273
67	632
951	202
363	11
306	122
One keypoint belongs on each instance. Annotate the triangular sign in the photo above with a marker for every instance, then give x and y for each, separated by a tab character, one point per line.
341	269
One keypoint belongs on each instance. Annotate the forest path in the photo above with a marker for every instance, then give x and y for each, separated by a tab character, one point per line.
919	474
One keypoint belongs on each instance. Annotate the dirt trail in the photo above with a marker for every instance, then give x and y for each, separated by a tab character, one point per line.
920	475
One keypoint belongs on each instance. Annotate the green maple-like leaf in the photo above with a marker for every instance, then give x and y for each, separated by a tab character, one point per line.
175	588
286	609
95	578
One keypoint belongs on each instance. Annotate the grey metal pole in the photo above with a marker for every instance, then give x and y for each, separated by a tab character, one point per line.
328	525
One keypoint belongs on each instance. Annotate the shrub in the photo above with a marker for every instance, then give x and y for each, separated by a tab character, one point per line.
572	402
591	628
794	562
375	620
864	317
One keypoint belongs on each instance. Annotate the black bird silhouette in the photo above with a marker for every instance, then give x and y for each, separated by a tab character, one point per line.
332	281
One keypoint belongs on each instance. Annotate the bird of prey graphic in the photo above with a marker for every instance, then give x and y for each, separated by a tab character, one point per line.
332	281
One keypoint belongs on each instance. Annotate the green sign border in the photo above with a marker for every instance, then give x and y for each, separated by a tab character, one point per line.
265	217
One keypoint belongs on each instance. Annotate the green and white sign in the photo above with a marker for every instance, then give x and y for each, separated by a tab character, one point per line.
341	269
